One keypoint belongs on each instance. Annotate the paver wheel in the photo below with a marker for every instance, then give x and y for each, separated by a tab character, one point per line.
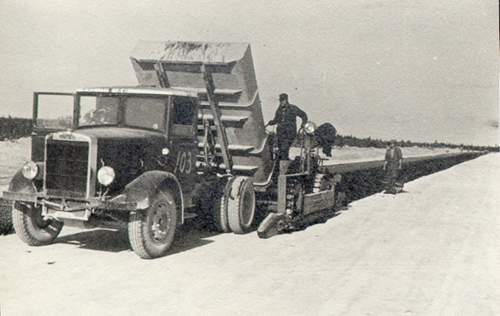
241	205
220	209
151	232
30	226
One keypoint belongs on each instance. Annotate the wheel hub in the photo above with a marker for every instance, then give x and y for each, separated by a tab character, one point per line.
160	223
39	220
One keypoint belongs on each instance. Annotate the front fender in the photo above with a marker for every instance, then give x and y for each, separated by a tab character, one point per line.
19	183
142	189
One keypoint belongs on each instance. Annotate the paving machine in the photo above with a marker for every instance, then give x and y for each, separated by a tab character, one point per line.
231	131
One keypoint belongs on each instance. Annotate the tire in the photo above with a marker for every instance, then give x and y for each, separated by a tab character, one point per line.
31	228
151	232
220	216
241	205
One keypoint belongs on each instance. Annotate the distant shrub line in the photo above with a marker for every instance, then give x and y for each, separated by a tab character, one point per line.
12	128
350	140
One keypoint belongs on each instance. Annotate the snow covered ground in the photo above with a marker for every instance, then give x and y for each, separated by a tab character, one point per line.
432	250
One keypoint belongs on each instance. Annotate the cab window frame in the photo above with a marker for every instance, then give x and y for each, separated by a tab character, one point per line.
183	130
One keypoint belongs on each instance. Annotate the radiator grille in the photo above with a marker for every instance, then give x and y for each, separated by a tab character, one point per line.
66	168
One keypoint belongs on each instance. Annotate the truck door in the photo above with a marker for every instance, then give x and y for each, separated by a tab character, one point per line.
183	125
52	112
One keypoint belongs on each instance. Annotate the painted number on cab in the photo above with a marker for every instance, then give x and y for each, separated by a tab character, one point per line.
184	162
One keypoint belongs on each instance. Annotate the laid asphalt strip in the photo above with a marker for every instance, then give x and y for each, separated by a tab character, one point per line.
360	178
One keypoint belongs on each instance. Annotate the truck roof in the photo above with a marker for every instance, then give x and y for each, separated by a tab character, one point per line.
153	91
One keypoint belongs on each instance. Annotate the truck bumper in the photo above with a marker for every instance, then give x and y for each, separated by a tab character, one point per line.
60	209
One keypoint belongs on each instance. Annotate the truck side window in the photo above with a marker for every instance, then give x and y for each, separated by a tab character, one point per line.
183	111
145	112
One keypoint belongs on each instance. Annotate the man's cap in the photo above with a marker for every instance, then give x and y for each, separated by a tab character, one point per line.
283	97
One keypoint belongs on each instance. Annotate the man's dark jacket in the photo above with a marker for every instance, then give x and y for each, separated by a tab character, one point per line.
286	118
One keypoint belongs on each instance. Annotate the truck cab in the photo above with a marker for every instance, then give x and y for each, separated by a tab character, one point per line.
113	153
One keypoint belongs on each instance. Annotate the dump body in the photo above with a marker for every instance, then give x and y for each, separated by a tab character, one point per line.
178	65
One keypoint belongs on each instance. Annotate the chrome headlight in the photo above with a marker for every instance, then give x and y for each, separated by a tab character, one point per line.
30	170
105	175
310	127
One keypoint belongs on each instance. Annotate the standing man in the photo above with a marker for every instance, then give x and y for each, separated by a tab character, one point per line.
286	119
392	166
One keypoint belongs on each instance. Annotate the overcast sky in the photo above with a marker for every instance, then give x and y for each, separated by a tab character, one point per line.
422	70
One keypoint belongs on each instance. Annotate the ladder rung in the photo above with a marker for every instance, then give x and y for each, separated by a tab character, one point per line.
202	128
235	167
241	167
221	104
224	117
216	91
231	147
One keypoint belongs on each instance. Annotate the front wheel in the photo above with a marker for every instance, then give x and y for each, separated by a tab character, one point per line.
30	226
151	232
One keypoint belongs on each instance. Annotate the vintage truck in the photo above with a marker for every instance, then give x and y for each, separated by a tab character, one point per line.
189	138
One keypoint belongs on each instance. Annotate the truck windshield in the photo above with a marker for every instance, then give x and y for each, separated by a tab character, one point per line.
100	110
144	112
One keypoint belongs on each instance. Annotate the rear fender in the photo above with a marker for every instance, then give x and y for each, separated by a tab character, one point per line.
144	187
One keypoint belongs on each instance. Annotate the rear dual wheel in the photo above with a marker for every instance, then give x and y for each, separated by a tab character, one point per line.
235	211
241	205
220	209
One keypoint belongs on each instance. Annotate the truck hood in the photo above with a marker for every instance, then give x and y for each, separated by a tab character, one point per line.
124	135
